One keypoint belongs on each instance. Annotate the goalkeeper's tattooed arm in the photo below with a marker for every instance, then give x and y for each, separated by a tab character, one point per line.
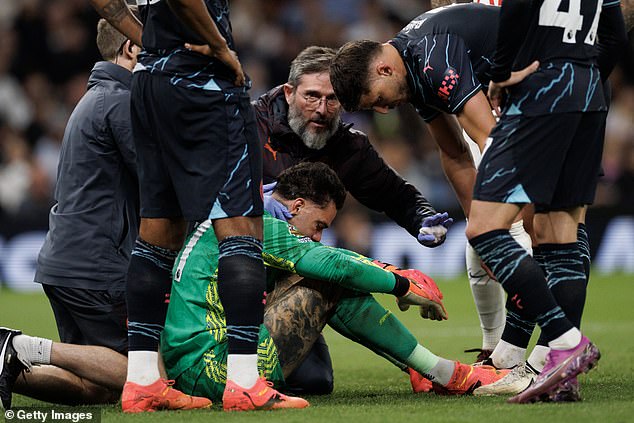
296	312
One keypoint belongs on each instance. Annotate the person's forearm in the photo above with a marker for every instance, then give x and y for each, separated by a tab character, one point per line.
117	13
195	15
345	268
455	157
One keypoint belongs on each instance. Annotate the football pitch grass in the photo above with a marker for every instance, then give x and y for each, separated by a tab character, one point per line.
369	389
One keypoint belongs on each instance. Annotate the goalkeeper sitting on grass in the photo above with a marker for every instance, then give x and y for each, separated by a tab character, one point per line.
309	285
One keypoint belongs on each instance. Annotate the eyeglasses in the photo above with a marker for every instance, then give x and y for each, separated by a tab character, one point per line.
313	102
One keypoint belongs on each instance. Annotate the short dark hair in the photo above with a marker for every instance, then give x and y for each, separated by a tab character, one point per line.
313	59
316	182
350	71
109	40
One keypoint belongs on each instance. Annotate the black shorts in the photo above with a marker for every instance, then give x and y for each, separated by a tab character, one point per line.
552	161
87	317
198	153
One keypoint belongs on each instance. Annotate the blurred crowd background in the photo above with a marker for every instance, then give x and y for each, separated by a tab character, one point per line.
48	49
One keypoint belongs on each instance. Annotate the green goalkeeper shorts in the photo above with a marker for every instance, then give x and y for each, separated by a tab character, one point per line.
207	377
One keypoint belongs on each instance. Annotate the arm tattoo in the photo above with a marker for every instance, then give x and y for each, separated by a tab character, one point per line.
114	11
295	314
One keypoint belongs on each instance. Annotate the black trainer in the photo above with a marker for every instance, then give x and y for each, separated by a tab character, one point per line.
10	366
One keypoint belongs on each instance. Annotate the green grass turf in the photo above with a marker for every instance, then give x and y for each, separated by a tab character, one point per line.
369	389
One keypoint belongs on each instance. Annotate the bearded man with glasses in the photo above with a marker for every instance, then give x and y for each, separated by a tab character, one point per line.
301	121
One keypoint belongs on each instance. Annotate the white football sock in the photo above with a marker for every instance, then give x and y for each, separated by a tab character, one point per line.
143	367
507	355
242	369
537	359
443	371
568	340
32	350
489	297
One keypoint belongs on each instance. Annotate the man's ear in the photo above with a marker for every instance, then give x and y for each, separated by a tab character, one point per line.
127	50
383	69
288	92
296	205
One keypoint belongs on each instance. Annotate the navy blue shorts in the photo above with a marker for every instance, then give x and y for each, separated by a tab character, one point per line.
198	153
90	317
552	161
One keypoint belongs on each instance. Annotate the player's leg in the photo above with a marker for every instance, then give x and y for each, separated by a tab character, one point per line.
520	275
236	213
488	294
524	374
157	110
361	318
563	241
77	371
206	375
74	374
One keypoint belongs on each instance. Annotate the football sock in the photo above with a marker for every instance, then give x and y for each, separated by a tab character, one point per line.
143	367
523	280
518	329
507	355
537	358
241	286
583	243
32	350
569	339
517	333
488	296
243	369
441	372
566	280
538	255
147	294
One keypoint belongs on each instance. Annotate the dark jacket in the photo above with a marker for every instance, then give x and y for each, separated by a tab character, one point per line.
93	226
349	153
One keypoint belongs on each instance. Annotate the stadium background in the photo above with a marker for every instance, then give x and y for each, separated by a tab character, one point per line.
48	49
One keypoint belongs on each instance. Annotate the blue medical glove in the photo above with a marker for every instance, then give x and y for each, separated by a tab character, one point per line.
433	230
271	205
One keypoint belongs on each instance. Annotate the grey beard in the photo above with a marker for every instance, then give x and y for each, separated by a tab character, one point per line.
313	140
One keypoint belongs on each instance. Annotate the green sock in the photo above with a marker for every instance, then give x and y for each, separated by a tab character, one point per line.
422	360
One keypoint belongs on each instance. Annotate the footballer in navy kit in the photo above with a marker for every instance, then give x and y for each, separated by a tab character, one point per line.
546	150
198	158
439	63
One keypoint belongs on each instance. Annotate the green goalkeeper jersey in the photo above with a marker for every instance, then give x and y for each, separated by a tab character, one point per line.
195	323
